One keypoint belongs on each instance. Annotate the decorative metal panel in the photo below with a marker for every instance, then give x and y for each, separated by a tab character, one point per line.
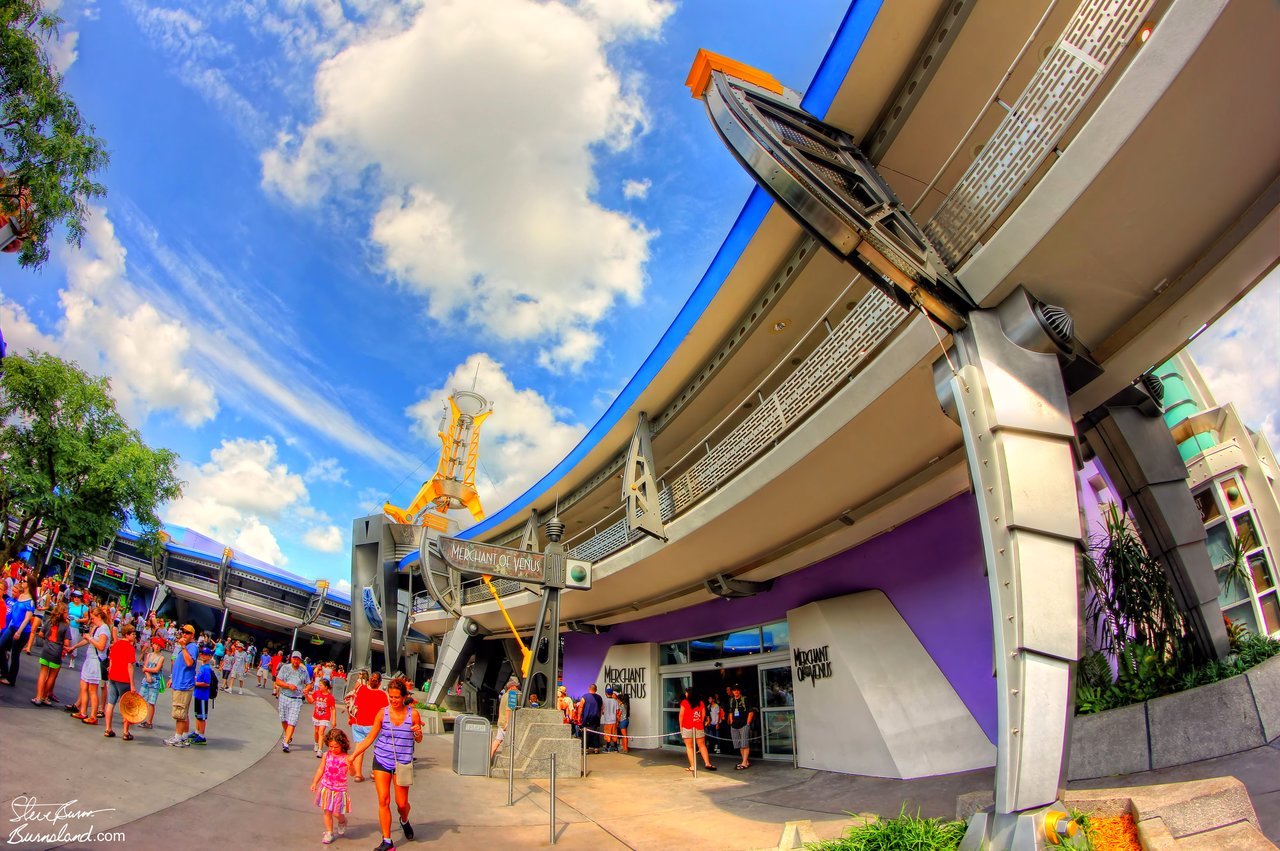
819	176
1093	39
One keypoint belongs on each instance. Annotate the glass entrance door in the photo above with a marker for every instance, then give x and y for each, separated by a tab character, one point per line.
673	686
777	706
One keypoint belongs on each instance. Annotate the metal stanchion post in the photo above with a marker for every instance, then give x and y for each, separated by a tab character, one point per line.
553	798
795	746
511	759
583	732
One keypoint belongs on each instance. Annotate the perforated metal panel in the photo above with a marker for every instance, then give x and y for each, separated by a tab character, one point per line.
1093	39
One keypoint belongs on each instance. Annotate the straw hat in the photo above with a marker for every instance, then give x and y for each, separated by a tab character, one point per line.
133	708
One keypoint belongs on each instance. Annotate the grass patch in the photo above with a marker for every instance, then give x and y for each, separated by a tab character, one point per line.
906	832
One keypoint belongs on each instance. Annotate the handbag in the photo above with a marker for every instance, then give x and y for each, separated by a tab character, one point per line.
404	770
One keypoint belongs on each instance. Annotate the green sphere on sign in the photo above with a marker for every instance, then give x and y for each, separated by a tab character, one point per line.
578	573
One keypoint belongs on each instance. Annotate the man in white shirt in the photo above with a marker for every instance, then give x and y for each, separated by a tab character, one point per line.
609	719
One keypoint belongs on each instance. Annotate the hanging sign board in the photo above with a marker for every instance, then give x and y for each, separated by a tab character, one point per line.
511	563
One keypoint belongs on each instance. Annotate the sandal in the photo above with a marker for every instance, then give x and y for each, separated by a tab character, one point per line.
80	717
146	725
92	722
35	701
110	734
741	767
102	715
72	707
128	737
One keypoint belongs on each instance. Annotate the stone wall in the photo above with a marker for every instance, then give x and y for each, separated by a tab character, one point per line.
1222	718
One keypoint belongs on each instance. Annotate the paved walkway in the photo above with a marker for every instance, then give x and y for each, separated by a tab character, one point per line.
240	791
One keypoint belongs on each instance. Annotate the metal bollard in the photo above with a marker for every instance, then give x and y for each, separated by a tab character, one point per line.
553	798
795	746
584	750
511	759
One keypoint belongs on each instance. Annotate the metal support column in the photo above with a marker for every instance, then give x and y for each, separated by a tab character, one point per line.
1008	395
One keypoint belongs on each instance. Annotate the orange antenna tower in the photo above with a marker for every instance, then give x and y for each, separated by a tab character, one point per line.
454	484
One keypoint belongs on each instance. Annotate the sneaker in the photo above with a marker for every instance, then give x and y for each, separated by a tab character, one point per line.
408	829
199	740
284	746
342	826
183	743
327	839
191	737
172	741
318	754
240	691
386	845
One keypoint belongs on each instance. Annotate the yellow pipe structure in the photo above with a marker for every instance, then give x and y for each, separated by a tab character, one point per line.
527	656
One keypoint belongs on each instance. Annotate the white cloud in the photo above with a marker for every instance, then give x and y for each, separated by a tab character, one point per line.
325	539
523	439
110	328
235	495
632	189
326	470
343	585
481	122
1238	355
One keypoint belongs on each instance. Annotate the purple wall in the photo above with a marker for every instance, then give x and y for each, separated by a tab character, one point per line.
930	568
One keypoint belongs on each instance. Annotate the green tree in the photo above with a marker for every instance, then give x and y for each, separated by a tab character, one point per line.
69	461
48	155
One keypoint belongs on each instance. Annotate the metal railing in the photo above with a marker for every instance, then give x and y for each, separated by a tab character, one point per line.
1090	44
275	605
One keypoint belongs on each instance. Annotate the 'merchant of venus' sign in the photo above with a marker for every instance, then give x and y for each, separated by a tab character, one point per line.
812	665
507	562
629	681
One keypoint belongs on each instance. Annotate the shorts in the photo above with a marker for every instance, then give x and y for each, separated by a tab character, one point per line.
150	691
289	709
500	734
115	691
323	723
691	733
624	723
359	732
181	705
54	665
378	765
202	705
741	737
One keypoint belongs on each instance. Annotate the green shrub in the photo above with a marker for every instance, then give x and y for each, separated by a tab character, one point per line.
904	833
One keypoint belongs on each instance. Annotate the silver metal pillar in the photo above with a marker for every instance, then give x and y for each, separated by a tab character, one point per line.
223	629
1006	391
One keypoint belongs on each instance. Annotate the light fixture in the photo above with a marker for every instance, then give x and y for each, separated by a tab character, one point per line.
1145	33
781	325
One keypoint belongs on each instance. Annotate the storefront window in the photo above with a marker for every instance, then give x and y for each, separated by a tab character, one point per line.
1246	531
1270	612
743	642
1208	506
1233	494
1261	572
1243	614
1219	544
777	636
777	687
1231	589
675	653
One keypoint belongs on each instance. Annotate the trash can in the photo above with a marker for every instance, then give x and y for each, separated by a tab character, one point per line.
471	745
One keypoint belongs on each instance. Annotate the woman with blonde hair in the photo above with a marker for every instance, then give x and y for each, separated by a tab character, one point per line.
91	669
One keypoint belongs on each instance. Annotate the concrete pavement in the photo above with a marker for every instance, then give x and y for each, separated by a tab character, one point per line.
240	791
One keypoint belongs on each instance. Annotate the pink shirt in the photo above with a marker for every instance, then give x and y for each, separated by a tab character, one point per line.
334	777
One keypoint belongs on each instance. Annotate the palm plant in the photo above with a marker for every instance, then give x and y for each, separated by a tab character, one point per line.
1131	601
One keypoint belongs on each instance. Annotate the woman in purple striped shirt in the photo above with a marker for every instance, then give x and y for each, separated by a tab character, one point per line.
393	736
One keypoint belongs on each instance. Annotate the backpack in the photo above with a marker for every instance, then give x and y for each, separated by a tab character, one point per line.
213	683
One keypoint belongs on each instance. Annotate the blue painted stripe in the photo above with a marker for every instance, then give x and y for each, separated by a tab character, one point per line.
822	90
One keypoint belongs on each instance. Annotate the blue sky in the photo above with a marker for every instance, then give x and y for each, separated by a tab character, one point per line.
323	215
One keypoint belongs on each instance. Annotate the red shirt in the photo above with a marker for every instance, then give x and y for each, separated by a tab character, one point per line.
324	706
275	663
119	658
369	702
692	717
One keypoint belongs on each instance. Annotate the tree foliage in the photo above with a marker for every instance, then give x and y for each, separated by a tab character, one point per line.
48	154
69	461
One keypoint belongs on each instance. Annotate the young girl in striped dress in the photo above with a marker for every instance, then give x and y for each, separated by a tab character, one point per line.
330	784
